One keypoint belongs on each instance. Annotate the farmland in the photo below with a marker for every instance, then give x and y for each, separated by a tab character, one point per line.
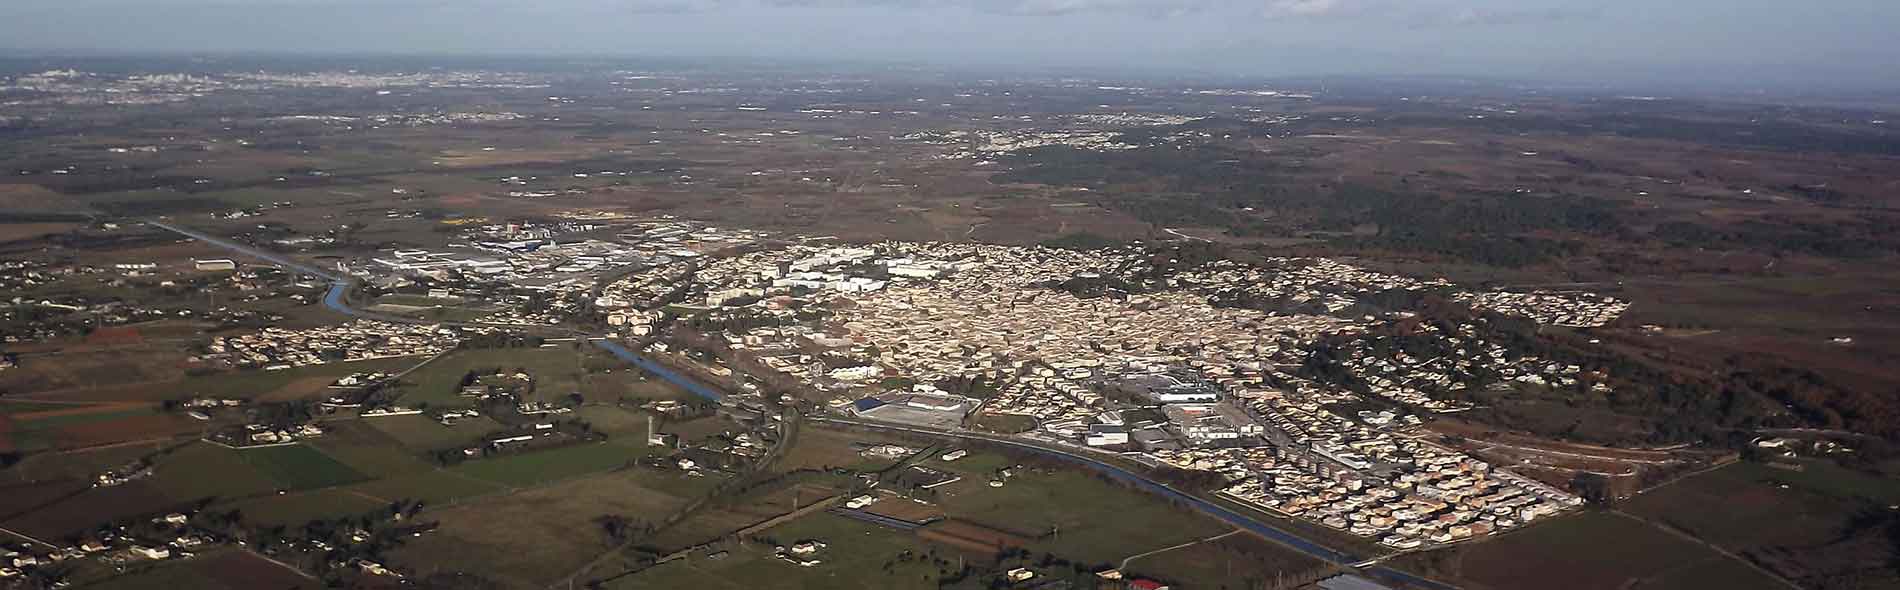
1820	526
531	538
556	371
1600	549
535	467
300	467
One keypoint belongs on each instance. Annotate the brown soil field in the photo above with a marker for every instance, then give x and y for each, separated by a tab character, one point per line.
299	389
905	509
964	534
80	410
90	508
115	336
243	569
20	498
135	428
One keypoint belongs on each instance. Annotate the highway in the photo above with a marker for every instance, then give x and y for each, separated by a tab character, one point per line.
337	299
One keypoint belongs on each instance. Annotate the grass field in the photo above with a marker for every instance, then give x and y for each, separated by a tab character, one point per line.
429	486
296	508
828	449
556	371
544	466
1598	550
854	559
227	569
534	537
204	470
300	467
421	434
1113	523
251	384
1239	560
367	450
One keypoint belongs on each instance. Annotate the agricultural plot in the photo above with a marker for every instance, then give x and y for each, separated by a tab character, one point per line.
1807	525
1600	550
300	467
258	384
297	508
831	449
556	371
856	557
621	425
222	570
550	465
534	537
421	434
204	470
81	465
1238	559
754	506
431	486
1075	515
87	509
367	450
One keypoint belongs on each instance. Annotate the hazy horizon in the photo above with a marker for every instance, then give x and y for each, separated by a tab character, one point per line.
1735	44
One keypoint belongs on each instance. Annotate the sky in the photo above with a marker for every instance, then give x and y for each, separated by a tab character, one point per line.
1729	41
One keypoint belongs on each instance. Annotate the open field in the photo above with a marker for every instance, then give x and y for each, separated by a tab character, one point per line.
227	569
422	434
531	538
431	486
818	448
1809	526
297	508
300	466
556	372
1239	559
1599	550
730	514
533	467
367	450
204	470
1043	506
855	558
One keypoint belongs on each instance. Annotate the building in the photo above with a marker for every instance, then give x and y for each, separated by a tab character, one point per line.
214	264
1102	435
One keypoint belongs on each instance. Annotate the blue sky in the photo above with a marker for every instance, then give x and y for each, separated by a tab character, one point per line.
1737	41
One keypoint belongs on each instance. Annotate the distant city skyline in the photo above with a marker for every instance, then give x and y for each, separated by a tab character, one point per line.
1735	43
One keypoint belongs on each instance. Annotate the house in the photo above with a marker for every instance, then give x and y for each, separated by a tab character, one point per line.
151	552
1021	574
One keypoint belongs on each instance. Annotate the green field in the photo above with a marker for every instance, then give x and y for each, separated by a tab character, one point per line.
1113	523
367	450
430	486
556	371
532	538
854	558
300	507
254	383
422	434
535	467
203	470
300	467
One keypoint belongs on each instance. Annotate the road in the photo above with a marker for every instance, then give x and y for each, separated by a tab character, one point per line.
340	286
